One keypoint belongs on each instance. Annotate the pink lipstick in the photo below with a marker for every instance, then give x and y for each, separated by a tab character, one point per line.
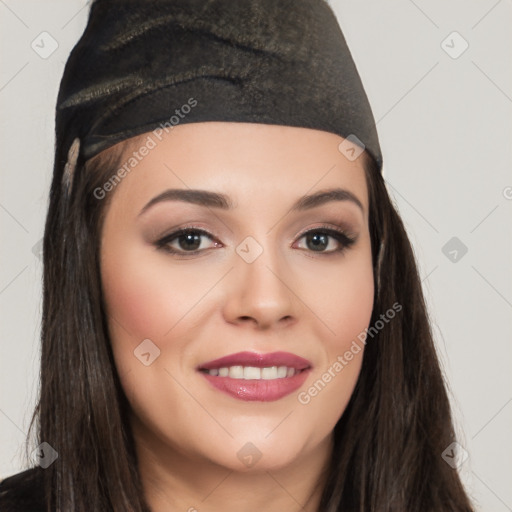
253	376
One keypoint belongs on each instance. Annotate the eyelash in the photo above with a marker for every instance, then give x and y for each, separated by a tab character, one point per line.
340	236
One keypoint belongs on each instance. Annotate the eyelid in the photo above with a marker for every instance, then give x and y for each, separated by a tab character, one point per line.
336	232
164	241
344	237
330	228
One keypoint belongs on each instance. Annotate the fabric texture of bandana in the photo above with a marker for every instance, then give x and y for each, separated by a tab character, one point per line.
144	65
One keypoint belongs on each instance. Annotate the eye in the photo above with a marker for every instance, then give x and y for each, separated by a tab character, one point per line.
327	240
187	241
190	241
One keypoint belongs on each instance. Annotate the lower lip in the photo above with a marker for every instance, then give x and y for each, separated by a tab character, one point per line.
258	389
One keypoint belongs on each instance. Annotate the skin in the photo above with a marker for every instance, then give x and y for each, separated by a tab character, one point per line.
202	307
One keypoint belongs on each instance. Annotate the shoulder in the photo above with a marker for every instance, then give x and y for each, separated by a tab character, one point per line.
23	492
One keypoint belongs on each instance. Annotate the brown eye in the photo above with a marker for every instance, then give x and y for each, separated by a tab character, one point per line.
190	241
185	241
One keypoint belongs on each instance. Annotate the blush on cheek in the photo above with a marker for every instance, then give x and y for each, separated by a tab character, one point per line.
134	301
148	299
129	305
357	312
347	309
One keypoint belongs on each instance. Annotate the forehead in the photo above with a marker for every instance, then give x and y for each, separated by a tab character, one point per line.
247	161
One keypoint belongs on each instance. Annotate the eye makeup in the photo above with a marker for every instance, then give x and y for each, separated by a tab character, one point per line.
176	242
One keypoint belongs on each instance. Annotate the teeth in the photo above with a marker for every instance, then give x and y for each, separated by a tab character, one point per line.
269	373
253	373
250	372
236	372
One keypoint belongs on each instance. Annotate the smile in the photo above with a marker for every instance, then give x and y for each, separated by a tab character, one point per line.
253	372
257	377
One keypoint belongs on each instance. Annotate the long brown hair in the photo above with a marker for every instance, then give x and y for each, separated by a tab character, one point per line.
387	444
389	441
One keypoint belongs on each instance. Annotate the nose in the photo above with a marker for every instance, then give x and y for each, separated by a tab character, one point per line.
260	294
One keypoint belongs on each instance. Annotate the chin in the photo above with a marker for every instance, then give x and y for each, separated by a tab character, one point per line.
256	451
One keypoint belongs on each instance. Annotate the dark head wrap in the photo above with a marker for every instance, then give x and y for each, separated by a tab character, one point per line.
144	65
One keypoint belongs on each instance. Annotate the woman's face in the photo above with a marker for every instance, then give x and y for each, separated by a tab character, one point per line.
246	278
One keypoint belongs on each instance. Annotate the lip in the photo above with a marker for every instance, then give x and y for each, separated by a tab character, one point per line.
258	390
261	390
258	361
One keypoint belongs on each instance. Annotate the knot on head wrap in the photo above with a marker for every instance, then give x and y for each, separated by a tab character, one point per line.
144	64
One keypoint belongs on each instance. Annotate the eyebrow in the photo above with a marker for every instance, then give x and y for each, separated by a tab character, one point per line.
224	202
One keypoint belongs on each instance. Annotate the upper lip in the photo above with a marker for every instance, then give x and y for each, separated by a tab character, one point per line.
258	360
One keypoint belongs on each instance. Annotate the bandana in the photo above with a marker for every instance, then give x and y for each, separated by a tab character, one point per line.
150	65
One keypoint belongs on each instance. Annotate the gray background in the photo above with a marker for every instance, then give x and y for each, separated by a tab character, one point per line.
445	128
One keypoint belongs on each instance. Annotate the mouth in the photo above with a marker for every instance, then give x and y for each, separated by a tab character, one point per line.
257	377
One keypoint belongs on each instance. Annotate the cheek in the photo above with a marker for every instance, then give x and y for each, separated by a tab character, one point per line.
134	298
341	298
144	295
145	300
344	305
354	305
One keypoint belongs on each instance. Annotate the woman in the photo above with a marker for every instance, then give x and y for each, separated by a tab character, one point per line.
232	315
